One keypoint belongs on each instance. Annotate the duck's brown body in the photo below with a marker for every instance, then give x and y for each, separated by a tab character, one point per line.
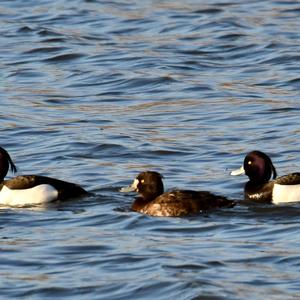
153	201
181	203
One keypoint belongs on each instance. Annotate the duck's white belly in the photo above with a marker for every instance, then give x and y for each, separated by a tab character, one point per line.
285	193
39	194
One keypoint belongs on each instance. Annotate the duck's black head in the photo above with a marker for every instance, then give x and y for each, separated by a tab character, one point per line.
5	163
258	167
148	184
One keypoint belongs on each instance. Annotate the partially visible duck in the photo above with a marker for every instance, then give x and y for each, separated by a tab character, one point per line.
153	201
32	189
259	168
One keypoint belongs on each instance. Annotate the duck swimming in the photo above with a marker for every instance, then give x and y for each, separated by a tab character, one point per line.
32	189
153	201
259	168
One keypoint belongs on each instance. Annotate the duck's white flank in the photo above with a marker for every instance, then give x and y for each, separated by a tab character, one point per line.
286	193
39	194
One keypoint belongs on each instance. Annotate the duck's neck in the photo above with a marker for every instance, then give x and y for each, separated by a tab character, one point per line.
2	174
139	203
258	181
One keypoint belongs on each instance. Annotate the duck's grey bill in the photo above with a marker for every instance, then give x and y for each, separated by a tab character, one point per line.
240	171
127	189
131	188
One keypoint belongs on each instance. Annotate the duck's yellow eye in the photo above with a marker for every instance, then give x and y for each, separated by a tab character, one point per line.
249	162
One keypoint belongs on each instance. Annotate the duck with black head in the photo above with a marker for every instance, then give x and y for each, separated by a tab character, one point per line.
259	167
155	202
32	189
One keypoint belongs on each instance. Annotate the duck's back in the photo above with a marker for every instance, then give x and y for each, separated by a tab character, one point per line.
290	179
185	202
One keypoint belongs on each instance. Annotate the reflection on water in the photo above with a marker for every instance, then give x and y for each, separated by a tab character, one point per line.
94	92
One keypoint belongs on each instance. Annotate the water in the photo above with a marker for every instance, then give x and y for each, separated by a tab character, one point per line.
95	92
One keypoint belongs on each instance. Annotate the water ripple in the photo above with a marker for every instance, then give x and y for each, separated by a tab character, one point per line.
96	91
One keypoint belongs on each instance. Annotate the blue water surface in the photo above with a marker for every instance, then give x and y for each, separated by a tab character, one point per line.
96	91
